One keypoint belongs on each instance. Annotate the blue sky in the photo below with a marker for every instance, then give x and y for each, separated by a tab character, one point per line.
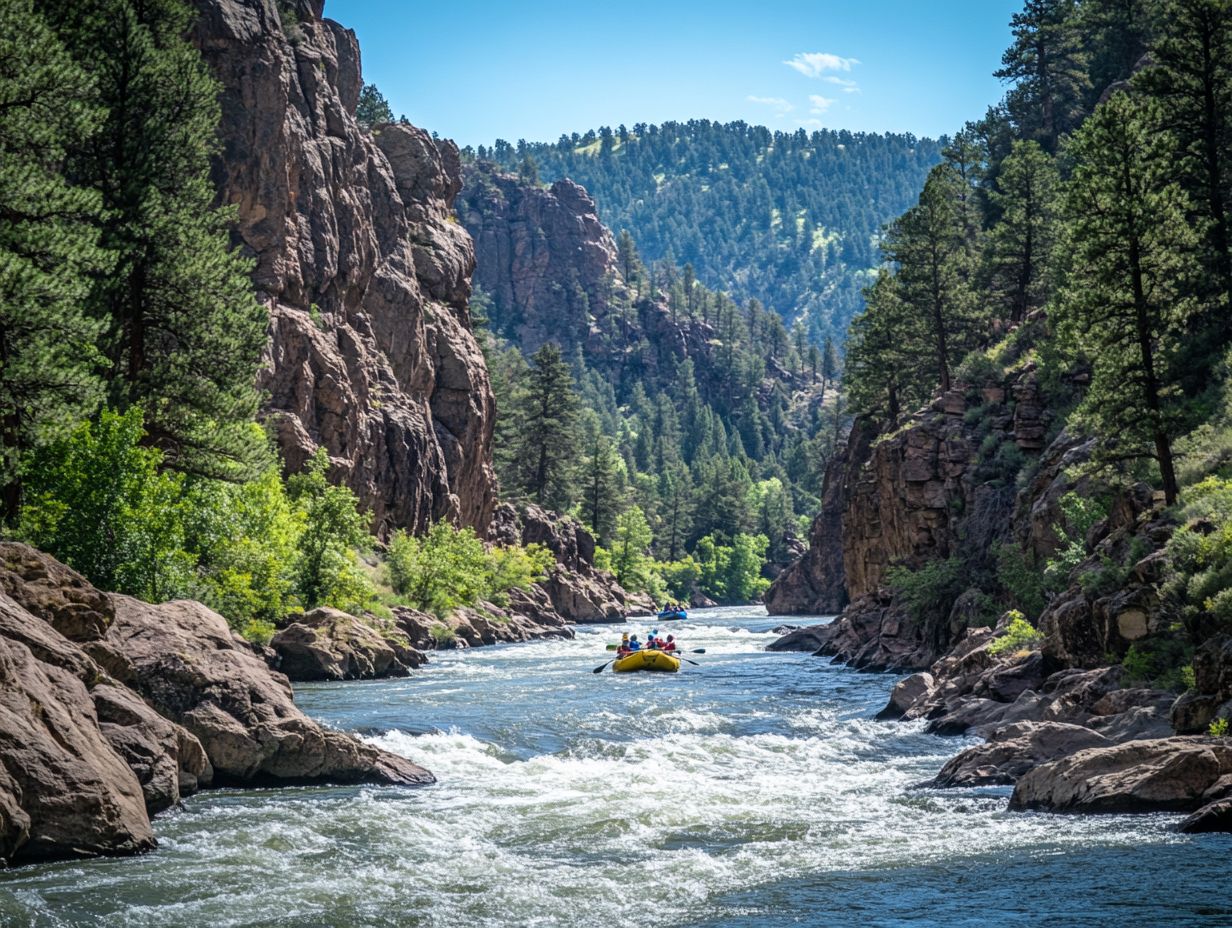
477	71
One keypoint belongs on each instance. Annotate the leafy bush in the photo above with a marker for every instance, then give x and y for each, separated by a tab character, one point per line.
1163	661
929	591
1218	728
450	567
327	570
732	573
1020	635
1079	515
680	578
1023	583
1200	555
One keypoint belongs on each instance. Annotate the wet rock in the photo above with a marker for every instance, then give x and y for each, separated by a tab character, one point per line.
190	670
1215	816
809	638
1164	775
327	644
907	692
1013	750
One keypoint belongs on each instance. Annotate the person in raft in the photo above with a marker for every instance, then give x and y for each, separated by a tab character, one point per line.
652	640
670	644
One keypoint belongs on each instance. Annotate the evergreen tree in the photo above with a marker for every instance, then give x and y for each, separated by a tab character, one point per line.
830	364
373	109
882	375
544	443
927	245
1020	245
601	480
1048	64
184	332
1125	304
48	248
1192	79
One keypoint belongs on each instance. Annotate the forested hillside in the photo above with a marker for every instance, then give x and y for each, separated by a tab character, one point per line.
688	432
1041	375
790	219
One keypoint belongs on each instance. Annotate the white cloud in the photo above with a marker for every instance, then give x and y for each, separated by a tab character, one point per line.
813	64
849	86
781	107
819	104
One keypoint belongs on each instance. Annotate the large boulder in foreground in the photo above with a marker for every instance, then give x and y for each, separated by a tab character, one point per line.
64	791
328	644
1163	775
191	669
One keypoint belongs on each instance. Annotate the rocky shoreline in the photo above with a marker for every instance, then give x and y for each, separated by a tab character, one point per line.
112	710
1068	739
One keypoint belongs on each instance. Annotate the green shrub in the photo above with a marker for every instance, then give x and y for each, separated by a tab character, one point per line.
680	578
1163	661
1079	515
732	573
1022	582
1200	558
1021	635
1218	728
450	567
929	591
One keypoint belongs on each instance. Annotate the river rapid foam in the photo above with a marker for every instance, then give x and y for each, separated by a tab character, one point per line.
753	789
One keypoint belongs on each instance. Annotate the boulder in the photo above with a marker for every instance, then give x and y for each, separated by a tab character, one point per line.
1211	695
57	594
908	692
1163	775
191	670
64	791
1214	816
809	638
1013	750
328	644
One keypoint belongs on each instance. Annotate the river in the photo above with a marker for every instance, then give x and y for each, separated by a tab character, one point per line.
751	790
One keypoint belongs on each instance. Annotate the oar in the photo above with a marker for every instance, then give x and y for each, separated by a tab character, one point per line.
599	669
687	661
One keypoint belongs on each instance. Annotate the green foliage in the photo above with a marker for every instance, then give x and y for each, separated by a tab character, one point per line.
1022	582
630	558
732	573
1020	635
929	591
1199	554
1162	661
373	109
49	363
680	578
449	567
1079	515
327	571
1218	728
543	435
183	331
97	500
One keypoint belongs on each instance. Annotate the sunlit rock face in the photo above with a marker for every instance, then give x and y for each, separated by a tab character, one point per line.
365	272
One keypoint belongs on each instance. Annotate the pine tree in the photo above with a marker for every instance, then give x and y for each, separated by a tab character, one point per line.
184	332
676	510
1125	304
1048	64
601	480
1192	78
830	364
1020	245
883	360
48	248
373	109
544	443
928	245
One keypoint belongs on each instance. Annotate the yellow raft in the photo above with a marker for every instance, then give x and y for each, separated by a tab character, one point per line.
647	660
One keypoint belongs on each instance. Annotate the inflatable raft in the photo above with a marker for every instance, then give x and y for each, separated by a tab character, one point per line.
675	616
647	660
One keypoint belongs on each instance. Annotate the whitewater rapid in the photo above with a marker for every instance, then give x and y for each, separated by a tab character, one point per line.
753	789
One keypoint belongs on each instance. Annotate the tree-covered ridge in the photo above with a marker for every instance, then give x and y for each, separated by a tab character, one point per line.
1078	235
790	219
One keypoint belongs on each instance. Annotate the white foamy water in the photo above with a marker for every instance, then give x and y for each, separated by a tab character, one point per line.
750	788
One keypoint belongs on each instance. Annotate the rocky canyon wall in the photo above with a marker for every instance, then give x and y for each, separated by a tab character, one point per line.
364	270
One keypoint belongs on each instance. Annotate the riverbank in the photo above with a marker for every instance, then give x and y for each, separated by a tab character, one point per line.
753	789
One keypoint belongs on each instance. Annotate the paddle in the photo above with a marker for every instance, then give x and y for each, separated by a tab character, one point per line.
599	669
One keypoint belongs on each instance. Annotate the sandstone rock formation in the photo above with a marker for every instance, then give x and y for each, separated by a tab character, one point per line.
365	273
144	705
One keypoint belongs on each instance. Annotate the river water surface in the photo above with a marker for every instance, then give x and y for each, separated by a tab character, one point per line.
752	790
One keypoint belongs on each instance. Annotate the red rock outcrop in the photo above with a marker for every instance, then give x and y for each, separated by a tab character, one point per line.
365	273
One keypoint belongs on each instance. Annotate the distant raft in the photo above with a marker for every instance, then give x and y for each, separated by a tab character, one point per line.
675	615
659	661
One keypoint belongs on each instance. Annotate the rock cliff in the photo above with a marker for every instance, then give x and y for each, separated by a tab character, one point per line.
112	710
365	272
